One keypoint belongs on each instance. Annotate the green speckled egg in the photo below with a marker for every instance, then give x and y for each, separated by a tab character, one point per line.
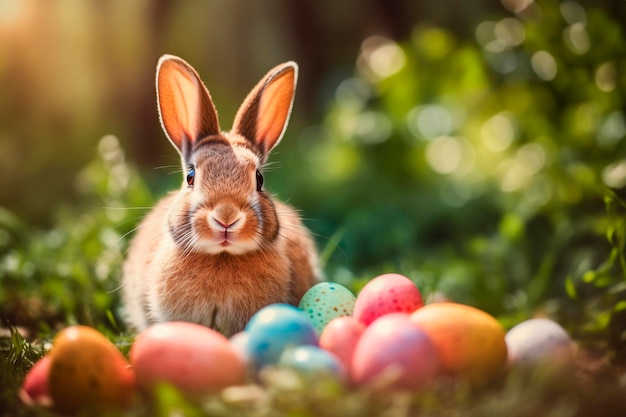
325	301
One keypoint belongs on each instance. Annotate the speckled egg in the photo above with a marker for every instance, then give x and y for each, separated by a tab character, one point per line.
395	352
326	301
538	341
87	370
388	293
470	343
340	338
312	361
191	357
274	329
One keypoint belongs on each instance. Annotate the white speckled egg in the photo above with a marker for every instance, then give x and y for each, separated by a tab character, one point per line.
326	301
538	341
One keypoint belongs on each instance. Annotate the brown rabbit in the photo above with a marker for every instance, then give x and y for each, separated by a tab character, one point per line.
220	248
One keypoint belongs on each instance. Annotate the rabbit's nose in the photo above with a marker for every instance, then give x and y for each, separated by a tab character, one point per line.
225	217
224	225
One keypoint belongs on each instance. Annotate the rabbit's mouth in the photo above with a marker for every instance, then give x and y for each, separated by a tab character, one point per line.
225	231
217	231
226	237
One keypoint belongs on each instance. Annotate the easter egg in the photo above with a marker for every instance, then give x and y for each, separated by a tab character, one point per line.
34	390
538	341
340	338
388	293
239	341
312	361
87	370
193	358
325	301
470	343
275	328
396	352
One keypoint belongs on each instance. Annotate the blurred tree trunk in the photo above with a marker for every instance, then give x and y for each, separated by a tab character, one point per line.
145	121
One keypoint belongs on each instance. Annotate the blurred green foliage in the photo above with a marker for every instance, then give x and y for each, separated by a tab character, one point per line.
489	169
70	273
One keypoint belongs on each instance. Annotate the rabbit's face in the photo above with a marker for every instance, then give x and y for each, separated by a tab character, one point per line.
225	208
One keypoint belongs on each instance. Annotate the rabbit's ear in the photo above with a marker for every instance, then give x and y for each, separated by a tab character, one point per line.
263	116
186	110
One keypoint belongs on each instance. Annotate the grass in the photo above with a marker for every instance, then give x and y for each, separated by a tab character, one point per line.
592	388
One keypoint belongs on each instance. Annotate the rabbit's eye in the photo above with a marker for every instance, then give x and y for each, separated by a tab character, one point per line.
191	174
259	180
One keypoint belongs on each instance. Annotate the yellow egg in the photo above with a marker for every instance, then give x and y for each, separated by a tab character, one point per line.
88	371
470	342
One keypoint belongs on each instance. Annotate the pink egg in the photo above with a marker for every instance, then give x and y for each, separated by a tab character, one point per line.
388	293
396	352
193	358
34	390
340	337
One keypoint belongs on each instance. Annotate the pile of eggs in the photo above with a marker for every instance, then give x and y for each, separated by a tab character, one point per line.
384	337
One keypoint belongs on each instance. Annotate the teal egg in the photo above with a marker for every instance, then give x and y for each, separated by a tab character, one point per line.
313	361
326	301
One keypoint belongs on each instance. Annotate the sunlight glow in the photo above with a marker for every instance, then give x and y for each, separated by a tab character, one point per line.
382	56
451	155
373	127
430	121
516	6
612	129
577	38
606	77
11	11
573	12
444	154
517	173
511	31
544	65
614	175
498	132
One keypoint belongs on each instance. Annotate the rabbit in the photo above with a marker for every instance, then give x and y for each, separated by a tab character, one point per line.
220	248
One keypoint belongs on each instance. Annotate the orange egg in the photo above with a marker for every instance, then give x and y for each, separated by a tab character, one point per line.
470	343
87	370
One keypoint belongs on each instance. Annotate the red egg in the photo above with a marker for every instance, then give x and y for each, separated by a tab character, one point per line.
34	390
388	293
193	358
340	337
396	352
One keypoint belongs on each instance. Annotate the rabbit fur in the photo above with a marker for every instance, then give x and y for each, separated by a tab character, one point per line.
220	248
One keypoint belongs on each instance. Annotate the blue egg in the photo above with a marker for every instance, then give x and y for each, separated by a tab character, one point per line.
313	361
274	329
